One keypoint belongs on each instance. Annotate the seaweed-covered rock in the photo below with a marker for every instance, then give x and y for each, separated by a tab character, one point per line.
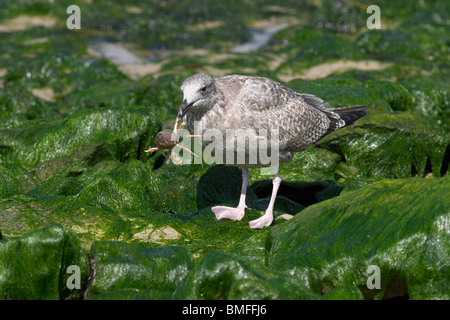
135	186
163	94
280	288
401	226
125	271
396	145
9	185
344	293
305	46
101	84
21	215
410	143
309	165
412	44
343	92
127	131
293	197
110	200
221	276
36	265
340	16
17	105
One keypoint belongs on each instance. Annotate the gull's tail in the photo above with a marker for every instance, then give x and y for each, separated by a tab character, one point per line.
350	114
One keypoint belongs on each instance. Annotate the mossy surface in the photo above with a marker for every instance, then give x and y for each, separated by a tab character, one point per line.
75	182
36	266
333	243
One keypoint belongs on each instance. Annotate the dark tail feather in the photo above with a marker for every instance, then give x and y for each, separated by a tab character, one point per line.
350	114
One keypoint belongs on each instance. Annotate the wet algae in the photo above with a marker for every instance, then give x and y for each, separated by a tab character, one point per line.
77	188
44	256
339	238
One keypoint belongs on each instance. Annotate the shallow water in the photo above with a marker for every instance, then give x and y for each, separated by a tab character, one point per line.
258	39
114	52
119	55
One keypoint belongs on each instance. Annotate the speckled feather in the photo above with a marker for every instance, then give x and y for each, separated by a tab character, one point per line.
245	102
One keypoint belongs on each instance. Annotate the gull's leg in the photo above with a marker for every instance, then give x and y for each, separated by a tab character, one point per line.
267	218
238	212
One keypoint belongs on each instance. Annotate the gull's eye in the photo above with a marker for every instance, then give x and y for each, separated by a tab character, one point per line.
203	90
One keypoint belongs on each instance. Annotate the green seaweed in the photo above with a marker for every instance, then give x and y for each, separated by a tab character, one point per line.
125	271
127	131
45	256
221	276
74	177
397	225
409	145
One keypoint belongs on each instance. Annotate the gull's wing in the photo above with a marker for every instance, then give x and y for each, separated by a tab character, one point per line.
299	124
259	103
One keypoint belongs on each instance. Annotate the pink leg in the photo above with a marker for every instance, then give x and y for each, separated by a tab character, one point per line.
238	212
267	218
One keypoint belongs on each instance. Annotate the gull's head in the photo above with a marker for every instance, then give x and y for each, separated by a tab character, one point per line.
199	94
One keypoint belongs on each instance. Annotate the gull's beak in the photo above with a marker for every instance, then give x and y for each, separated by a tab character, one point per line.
184	108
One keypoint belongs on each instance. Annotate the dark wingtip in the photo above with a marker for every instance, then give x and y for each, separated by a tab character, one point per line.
351	114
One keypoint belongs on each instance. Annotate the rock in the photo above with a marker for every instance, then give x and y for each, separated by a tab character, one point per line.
251	248
306	46
410	143
163	94
108	201
294	196
283	288
401	44
134	186
36	265
18	105
127	133
339	92
401	226
344	293
391	146
125	271
309	165
9	185
339	17
101	84
221	276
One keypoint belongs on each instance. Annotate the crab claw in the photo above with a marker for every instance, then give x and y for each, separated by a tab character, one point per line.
184	148
174	157
152	149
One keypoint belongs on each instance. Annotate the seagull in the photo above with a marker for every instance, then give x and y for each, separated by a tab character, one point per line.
236	102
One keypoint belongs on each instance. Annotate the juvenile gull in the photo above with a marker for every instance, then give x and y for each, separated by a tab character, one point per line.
255	103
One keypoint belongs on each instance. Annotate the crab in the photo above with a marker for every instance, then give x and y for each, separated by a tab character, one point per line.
167	139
